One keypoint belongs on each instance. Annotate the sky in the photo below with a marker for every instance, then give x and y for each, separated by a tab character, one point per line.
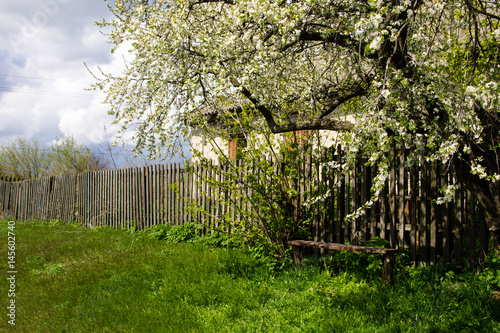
44	46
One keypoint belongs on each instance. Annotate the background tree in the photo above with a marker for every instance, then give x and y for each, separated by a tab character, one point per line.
422	72
24	158
69	157
118	154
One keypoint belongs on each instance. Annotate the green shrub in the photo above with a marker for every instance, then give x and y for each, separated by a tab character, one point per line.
491	272
173	234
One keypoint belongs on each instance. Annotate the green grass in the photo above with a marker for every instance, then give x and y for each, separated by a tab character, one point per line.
72	279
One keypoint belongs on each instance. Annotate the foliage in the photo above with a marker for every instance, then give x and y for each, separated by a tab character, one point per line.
422	72
492	271
69	157
265	208
23	158
187	232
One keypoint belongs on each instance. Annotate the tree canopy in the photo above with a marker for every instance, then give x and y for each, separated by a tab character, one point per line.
70	157
425	72
24	158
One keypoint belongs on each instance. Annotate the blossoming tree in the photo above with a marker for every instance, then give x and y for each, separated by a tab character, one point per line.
425	72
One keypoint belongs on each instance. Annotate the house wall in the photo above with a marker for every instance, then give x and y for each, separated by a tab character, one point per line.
327	139
207	148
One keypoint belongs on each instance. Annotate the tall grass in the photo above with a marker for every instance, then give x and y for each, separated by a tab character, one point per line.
72	279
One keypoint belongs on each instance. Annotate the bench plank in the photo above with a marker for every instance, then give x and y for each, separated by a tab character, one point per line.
343	247
388	254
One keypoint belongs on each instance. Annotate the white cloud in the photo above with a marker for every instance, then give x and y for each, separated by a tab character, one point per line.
43	47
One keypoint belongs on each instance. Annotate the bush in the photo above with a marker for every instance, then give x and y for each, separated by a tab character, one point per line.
491	272
173	234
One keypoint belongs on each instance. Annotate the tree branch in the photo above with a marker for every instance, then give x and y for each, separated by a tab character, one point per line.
339	39
314	124
483	12
266	113
229	2
332	99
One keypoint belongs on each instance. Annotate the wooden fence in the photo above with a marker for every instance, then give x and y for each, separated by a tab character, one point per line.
136	197
406	214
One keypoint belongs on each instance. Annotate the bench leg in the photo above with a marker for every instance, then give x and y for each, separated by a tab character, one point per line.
388	267
298	255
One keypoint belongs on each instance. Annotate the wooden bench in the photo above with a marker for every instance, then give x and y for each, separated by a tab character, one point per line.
388	254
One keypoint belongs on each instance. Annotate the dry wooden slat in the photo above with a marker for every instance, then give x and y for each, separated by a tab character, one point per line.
181	195
53	200
433	215
153	195
334	226
20	201
148	198
108	198
174	195
79	187
203	195
145	201
167	193
122	179
14	200
57	197
64	192
347	207
446	226
458	223
161	193
484	237
29	187
413	213
364	197
102	198
424	213
134	198
401	196
156	195
87	197
472	230
119	193
392	200
96	199
340	199
170	196
78	199
124	201
24	200
131	198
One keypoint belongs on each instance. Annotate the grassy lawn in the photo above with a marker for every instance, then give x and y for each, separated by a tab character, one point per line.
72	279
